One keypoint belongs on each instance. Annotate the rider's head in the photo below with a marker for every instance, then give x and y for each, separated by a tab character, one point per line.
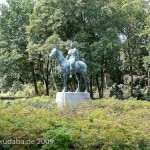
71	45
53	46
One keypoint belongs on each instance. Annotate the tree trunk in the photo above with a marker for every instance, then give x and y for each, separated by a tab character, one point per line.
91	84
105	79
148	79
54	82
131	72
34	79
102	84
47	89
130	59
47	76
98	86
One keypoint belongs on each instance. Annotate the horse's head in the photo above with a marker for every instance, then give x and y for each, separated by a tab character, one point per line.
53	53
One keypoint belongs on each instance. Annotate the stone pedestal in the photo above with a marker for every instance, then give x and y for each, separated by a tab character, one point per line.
71	98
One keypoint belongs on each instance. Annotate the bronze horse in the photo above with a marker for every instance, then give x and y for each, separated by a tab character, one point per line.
79	68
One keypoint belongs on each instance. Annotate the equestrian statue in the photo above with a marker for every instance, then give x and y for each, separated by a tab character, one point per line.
69	66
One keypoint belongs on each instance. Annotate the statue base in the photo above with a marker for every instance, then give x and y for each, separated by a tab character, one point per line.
63	98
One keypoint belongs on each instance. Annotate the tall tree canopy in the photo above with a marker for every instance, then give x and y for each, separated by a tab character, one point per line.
13	38
28	31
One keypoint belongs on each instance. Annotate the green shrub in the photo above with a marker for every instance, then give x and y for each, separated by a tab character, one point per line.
37	102
62	139
100	124
40	88
28	91
18	90
16	86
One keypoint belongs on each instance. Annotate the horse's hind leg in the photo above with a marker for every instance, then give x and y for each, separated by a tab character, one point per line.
62	79
85	82
78	80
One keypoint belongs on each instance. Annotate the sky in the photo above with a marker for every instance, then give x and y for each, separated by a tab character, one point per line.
2	1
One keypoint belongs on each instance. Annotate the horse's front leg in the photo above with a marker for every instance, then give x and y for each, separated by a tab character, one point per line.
62	79
65	82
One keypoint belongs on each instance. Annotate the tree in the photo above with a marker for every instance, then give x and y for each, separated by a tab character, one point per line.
39	54
147	42
80	21
133	23
13	40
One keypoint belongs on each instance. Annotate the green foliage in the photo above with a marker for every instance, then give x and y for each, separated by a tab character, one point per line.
146	62
19	90
41	88
23	90
16	86
28	29
63	139
28	91
100	124
37	102
13	41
